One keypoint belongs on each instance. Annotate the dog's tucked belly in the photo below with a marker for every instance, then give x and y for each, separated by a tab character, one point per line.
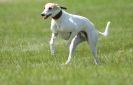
65	35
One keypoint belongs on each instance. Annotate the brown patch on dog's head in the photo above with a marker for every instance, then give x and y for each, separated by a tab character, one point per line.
51	5
54	6
51	9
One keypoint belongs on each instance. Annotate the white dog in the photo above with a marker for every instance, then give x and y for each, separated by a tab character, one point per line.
73	28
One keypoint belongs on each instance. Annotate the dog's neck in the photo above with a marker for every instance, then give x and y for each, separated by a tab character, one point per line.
58	15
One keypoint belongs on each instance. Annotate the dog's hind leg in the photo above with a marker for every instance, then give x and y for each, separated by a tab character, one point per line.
92	40
75	41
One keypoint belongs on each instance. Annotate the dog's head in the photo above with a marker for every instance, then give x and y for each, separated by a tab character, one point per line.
51	9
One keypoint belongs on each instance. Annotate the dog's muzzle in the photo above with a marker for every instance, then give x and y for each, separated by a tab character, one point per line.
45	16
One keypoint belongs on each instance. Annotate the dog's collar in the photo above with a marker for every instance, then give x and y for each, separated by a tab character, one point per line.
57	16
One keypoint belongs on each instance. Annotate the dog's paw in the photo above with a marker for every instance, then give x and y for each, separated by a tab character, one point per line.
52	54
64	64
67	62
97	62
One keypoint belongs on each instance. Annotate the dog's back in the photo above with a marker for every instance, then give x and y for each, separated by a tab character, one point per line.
72	22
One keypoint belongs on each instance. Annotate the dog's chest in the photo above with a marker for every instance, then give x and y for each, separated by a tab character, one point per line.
65	26
64	31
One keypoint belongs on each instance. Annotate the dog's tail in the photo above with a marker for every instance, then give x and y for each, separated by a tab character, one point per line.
105	33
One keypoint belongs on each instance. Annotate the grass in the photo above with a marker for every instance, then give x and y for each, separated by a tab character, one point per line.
24	45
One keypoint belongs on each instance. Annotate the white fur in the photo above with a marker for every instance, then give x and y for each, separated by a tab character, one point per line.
76	25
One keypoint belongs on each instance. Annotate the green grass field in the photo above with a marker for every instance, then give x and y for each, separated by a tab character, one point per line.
24	45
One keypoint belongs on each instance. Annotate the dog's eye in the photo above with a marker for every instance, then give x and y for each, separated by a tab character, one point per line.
49	8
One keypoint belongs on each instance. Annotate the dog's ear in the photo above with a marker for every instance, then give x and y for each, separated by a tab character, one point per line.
63	7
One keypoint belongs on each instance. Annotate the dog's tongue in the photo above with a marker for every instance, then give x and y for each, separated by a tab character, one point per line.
46	17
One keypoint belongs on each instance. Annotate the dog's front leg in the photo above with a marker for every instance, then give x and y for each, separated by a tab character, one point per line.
52	43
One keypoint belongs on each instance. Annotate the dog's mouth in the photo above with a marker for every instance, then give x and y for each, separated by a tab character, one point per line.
46	16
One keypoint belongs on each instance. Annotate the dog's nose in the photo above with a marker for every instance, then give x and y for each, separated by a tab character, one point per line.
42	14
